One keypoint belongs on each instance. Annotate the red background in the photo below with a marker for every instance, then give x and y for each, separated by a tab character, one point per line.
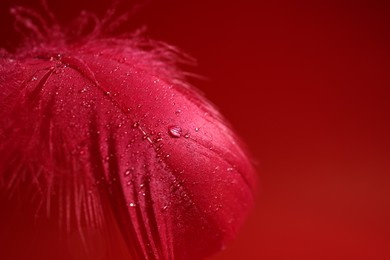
306	85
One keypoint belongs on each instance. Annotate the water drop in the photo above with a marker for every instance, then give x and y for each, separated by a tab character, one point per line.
187	135
158	148
84	90
175	131
127	172
135	125
196	129
132	204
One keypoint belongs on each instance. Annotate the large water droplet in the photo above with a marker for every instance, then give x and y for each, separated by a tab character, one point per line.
175	131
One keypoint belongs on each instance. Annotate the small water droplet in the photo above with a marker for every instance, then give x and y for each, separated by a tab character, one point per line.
158	148
127	172
196	129
175	131
135	125
132	204
187	135
230	169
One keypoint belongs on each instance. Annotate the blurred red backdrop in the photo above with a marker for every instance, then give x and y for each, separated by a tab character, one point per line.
306	85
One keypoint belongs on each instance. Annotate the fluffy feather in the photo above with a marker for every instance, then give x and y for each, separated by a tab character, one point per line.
109	124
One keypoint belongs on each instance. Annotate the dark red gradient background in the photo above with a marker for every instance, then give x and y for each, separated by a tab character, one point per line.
306	85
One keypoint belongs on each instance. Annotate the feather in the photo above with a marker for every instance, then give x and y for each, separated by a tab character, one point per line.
110	125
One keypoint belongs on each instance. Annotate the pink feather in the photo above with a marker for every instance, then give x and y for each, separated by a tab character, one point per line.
97	125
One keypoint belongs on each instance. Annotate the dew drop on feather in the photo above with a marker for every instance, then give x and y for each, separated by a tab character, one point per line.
175	131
